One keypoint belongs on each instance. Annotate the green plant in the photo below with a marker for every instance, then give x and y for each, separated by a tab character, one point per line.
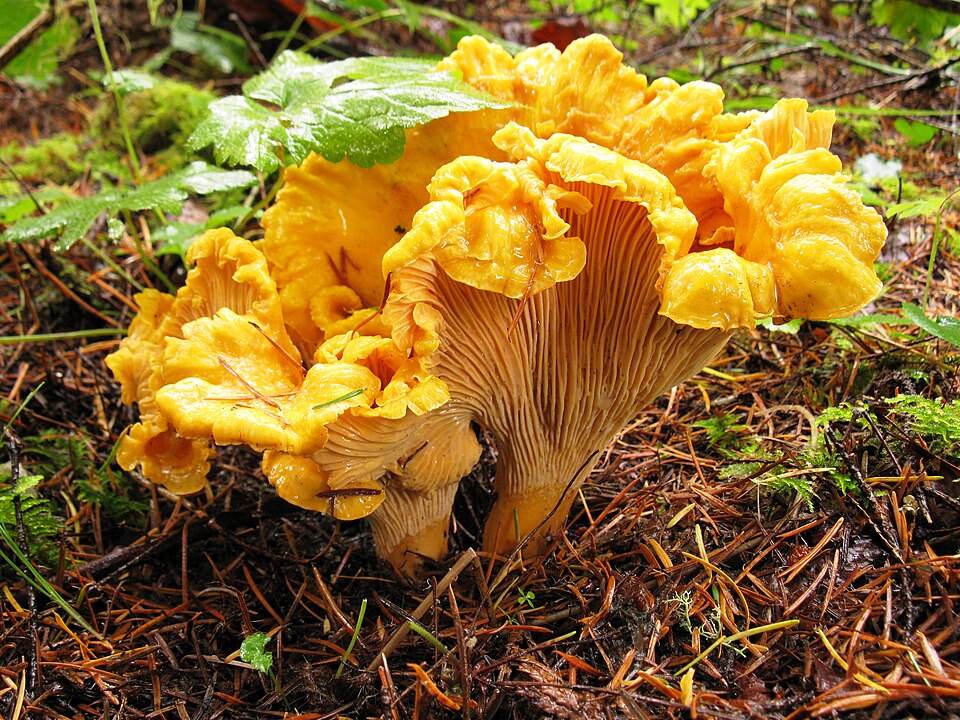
355	109
353	638
830	464
792	482
37	514
525	597
911	21
73	218
916	133
103	490
944	327
161	113
682	602
37	64
253	650
728	434
677	14
221	50
936	421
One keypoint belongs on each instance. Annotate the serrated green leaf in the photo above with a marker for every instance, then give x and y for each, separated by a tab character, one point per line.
241	132
17	206
945	328
253	651
165	195
355	109
294	74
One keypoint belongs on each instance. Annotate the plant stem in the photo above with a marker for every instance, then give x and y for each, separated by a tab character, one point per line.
934	248
13	447
353	639
111	263
72	335
121	112
348	27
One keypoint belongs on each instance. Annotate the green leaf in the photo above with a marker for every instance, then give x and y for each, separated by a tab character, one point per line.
676	14
14	207
360	5
912	21
37	64
791	327
176	237
26	482
241	133
355	109
130	80
866	321
916	133
945	328
937	421
36	513
221	49
17	14
165	195
253	650
913	208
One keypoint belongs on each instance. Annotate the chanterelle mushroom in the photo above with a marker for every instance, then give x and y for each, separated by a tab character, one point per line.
596	248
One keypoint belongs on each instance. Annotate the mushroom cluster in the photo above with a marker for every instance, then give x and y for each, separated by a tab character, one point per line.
542	272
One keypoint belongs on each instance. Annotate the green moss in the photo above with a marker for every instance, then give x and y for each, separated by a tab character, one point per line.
57	159
160	118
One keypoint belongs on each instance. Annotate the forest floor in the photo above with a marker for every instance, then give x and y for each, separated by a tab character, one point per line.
778	537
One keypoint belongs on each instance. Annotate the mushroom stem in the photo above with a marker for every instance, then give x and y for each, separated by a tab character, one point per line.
531	514
412	525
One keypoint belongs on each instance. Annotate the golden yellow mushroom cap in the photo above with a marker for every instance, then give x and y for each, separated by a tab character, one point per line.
134	363
332	222
493	226
164	457
300	481
799	242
